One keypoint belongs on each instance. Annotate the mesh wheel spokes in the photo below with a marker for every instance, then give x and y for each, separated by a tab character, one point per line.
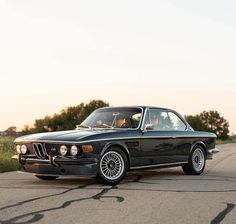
112	165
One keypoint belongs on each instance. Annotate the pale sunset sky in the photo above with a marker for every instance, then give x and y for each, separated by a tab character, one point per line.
176	54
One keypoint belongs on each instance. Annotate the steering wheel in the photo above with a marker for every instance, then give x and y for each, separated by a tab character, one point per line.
124	125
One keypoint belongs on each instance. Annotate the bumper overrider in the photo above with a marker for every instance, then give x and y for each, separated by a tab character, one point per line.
57	165
211	152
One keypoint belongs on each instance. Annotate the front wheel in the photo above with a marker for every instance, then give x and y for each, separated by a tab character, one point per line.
197	161
112	166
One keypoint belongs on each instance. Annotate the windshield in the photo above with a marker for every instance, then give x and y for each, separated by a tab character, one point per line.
113	118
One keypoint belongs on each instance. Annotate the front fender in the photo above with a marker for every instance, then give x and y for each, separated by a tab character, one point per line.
119	144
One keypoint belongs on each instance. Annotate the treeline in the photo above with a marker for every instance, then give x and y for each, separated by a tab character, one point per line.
71	116
65	120
210	121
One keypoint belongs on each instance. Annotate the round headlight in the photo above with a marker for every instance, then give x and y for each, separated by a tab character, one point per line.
74	150
23	149
18	149
63	150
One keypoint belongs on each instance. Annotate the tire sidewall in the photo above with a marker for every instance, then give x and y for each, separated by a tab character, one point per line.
102	178
191	163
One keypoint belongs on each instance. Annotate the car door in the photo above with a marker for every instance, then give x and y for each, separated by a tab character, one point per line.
157	140
182	134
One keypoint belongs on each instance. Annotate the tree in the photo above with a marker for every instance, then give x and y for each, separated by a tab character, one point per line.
67	119
195	122
11	129
213	121
210	121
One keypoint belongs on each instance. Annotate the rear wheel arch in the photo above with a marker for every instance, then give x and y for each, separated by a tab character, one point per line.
199	143
196	162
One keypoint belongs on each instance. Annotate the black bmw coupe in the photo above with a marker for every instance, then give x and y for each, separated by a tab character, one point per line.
114	140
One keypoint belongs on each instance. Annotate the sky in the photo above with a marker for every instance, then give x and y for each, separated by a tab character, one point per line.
175	54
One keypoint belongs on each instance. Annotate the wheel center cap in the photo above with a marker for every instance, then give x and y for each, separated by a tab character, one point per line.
111	165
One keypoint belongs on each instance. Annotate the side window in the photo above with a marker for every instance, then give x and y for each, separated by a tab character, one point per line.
160	120
176	123
135	119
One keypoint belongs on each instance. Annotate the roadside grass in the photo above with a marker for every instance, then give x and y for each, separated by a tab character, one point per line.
7	150
220	142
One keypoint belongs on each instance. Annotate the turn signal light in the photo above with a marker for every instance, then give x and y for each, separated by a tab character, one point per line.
87	148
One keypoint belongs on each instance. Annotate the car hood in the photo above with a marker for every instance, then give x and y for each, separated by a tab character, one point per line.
73	135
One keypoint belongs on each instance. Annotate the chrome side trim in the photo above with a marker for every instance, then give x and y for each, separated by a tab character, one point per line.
157	165
106	139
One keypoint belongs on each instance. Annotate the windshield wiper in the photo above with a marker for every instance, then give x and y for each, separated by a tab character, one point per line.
82	126
103	126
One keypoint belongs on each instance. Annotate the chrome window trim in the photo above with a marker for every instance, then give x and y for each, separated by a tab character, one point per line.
180	117
143	119
147	109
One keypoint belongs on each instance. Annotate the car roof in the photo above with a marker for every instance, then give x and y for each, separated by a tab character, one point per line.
143	107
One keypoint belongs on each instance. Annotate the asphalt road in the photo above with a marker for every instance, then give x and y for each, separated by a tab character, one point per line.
151	196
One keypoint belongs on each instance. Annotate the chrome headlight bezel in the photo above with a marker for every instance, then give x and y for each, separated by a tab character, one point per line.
63	150
74	150
18	150
23	149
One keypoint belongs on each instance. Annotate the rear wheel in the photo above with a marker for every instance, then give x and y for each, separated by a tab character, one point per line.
197	161
112	166
46	177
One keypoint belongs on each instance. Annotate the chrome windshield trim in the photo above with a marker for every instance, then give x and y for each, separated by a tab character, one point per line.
139	126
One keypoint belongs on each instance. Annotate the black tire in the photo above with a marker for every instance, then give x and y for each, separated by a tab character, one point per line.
197	161
117	165
46	177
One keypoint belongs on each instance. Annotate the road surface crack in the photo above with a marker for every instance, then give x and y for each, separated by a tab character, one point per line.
220	217
37	215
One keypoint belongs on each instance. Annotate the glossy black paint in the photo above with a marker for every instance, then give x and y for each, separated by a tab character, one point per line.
142	148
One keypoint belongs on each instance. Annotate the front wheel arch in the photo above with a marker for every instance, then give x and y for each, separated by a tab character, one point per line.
115	175
120	146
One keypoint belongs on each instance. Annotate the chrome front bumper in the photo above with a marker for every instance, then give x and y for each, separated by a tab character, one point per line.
57	166
55	160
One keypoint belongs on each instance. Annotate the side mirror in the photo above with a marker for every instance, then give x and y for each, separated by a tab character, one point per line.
148	127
